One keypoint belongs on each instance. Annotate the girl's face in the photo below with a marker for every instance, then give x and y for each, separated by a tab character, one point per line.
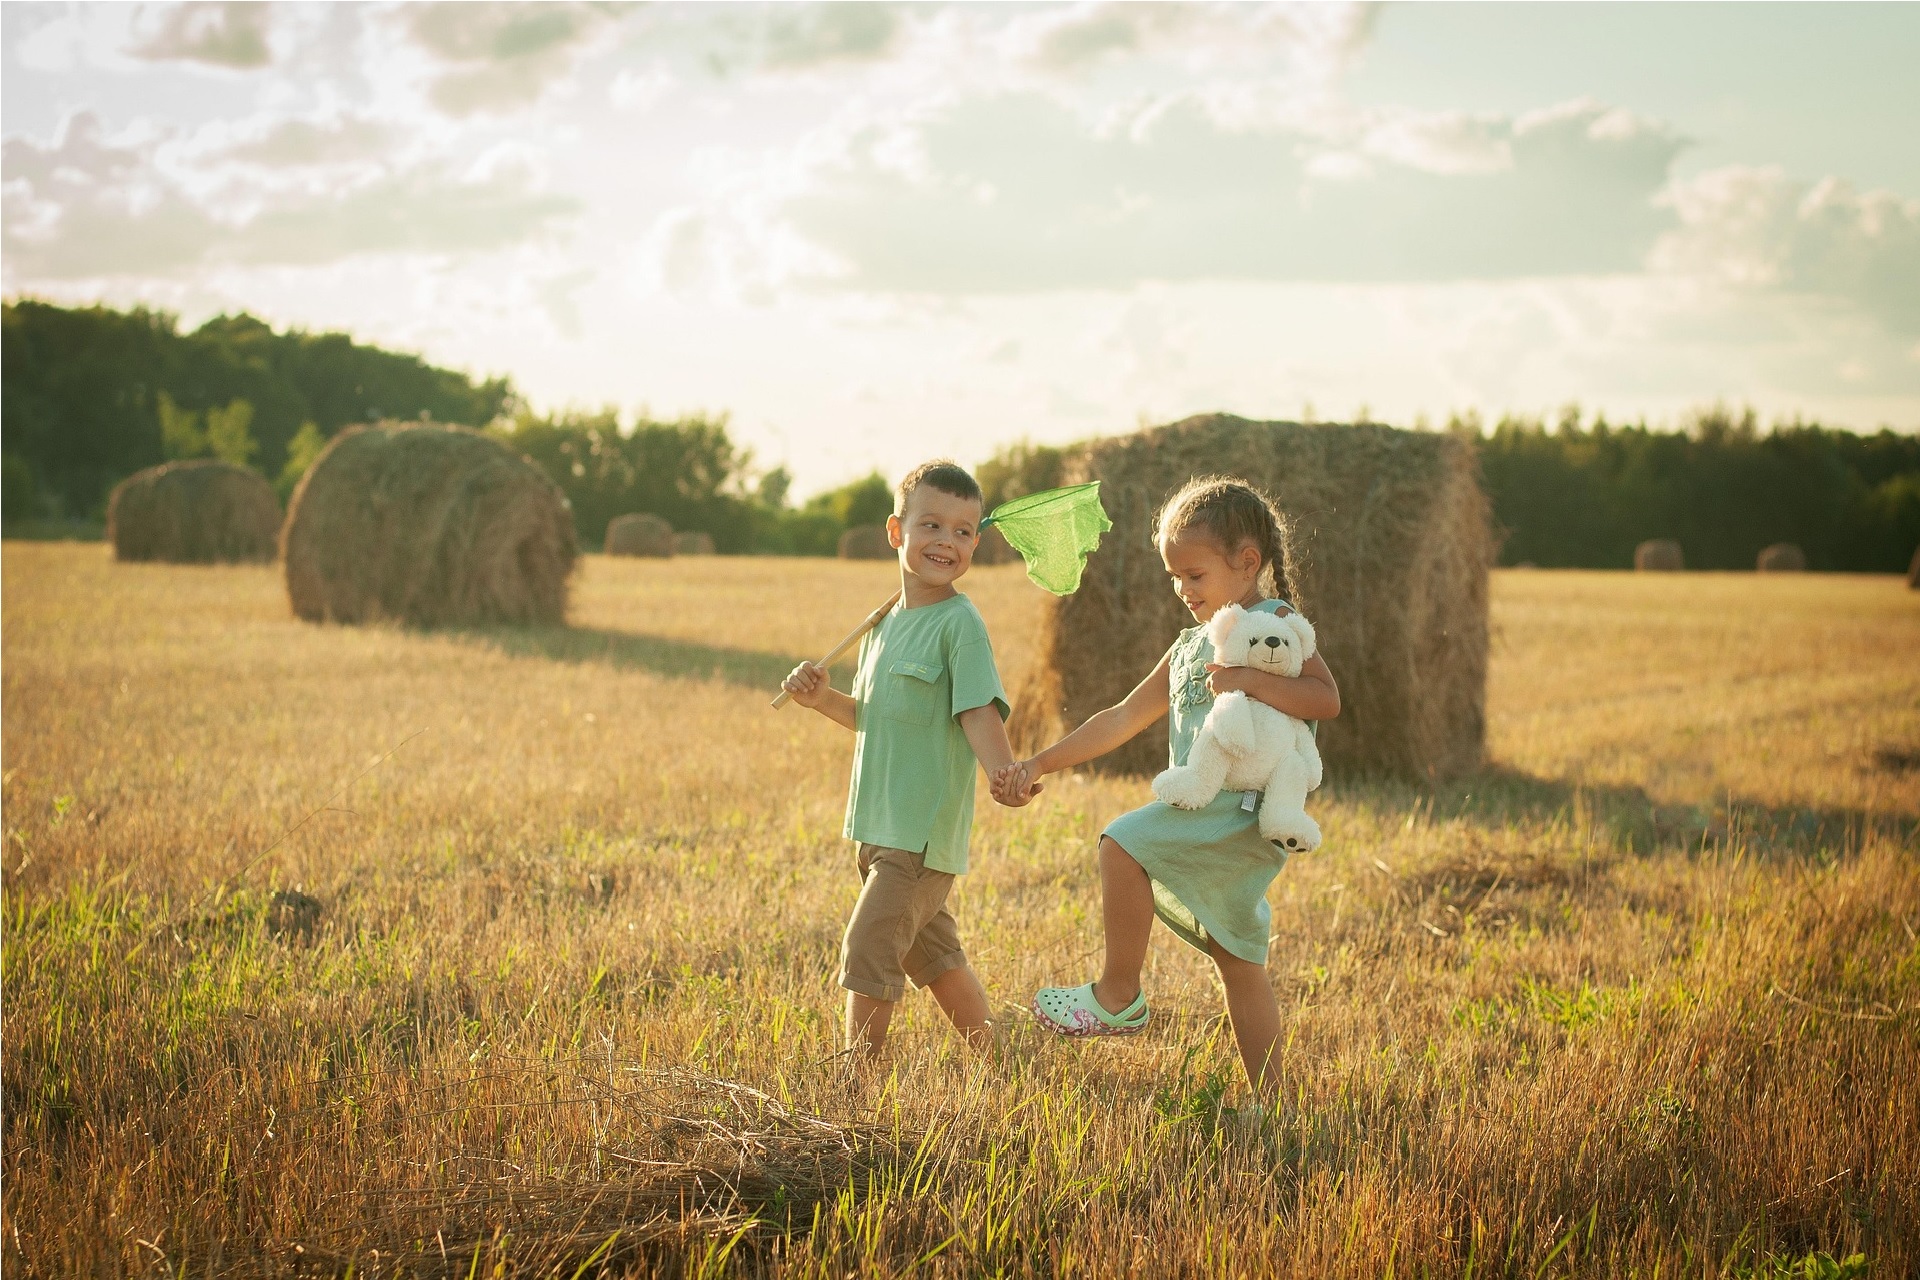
1207	576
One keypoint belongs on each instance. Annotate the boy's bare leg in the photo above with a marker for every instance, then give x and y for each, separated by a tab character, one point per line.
1126	909
867	1021
1256	1020
964	1001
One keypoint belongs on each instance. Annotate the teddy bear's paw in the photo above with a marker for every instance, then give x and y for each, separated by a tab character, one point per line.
1294	832
1183	789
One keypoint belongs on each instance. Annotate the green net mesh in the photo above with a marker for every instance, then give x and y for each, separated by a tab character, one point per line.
1054	531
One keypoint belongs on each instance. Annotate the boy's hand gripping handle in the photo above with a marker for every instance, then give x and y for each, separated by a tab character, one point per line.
852	638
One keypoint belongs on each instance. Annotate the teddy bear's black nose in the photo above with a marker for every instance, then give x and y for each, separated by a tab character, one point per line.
1273	642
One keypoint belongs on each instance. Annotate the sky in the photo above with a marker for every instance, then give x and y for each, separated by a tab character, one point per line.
871	234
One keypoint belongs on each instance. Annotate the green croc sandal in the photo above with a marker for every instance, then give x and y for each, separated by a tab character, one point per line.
1073	1011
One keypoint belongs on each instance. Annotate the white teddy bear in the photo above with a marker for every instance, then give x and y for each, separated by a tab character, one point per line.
1246	745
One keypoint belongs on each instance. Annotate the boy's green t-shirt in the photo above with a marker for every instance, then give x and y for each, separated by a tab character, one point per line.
913	768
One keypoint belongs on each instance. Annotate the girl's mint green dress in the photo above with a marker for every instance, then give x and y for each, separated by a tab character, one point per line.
1210	867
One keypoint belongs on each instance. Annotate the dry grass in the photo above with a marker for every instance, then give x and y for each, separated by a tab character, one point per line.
1659	555
200	512
866	542
1385	545
1642	996
640	534
426	524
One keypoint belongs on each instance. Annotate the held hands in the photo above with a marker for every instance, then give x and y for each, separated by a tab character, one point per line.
1015	784
808	684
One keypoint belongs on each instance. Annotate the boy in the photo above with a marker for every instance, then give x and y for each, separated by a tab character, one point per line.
926	703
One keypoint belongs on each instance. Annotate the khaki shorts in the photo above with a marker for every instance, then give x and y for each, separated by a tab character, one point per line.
901	927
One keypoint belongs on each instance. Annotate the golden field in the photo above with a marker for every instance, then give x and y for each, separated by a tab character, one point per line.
1643	997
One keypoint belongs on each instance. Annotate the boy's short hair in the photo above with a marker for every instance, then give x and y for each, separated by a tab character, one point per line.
944	474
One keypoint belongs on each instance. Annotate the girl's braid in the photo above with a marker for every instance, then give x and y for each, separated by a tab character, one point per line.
1233	513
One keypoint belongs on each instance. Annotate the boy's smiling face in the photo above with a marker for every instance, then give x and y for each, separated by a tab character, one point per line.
936	535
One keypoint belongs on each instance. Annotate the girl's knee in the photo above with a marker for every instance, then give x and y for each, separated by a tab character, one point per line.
1232	967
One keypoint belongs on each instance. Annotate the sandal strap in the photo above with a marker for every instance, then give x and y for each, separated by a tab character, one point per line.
1081	997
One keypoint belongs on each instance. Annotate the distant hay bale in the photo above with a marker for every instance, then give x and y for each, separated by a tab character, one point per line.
1659	555
1781	557
1388	552
199	512
430	525
639	535
1913	570
695	542
993	548
866	542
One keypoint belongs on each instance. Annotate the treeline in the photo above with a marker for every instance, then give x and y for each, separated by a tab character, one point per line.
93	395
89	396
691	474
1583	494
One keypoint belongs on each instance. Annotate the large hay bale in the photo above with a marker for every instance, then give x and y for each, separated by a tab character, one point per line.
695	542
1913	570
866	542
1388	552
199	512
994	548
640	534
430	525
1781	557
1659	555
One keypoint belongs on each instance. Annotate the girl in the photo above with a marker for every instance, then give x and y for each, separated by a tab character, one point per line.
1204	872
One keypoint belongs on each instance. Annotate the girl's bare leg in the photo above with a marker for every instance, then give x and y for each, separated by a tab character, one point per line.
964	1001
1126	910
1255	1015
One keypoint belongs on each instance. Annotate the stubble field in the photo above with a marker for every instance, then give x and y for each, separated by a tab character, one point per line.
482	953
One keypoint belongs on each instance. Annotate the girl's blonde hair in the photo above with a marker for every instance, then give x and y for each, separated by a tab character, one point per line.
1233	513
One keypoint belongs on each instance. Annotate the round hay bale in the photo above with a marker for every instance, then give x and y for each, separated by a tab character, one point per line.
429	525
866	542
640	534
1659	555
1781	557
1388	552
695	542
994	548
1913	570
200	512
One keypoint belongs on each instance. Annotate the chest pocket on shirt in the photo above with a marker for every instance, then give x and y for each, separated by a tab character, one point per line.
914	692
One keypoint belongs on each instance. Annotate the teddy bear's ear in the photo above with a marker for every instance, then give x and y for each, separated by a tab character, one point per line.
1220	627
1304	629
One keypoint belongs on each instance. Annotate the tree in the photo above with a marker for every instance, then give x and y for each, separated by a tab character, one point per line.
305	446
81	393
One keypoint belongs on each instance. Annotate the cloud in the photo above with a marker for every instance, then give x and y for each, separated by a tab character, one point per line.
88	205
1757	229
221	35
312	143
1072	39
803	36
503	56
1019	194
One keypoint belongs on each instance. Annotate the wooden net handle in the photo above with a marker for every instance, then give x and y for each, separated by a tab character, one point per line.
852	638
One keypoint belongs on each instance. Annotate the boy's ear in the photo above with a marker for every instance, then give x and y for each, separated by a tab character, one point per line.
896	537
